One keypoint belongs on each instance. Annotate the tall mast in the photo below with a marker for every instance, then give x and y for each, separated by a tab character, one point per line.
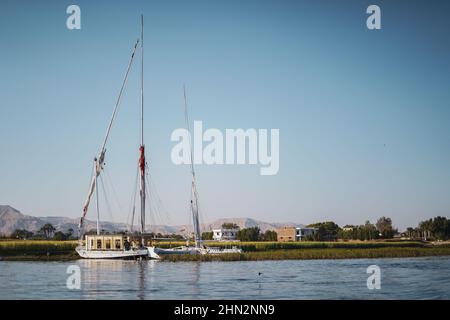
142	147
96	202
194	195
142	79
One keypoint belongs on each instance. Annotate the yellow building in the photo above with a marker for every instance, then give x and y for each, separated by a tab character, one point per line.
291	234
286	234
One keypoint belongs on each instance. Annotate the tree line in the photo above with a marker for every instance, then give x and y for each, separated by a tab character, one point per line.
437	228
246	234
47	231
330	231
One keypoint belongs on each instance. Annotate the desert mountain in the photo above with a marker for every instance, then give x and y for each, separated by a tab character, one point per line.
12	219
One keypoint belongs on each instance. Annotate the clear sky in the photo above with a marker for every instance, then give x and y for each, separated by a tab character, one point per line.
364	116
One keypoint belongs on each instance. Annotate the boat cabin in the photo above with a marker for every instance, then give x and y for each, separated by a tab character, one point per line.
115	242
105	242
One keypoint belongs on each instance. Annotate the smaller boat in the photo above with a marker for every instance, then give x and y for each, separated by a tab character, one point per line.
199	248
156	253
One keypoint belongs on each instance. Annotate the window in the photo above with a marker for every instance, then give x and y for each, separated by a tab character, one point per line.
108	244
92	244
99	243
117	244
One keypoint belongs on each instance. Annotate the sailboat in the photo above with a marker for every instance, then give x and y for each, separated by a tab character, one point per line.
116	246
199	247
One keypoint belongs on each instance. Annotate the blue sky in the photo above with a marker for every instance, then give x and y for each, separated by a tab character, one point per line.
364	116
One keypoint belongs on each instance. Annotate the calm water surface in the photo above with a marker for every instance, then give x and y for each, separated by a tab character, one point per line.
411	278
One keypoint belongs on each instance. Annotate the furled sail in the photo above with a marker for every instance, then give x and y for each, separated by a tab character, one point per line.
100	160
194	195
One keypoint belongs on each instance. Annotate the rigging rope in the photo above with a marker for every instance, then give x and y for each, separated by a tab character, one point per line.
151	204
132	208
111	185
124	82
108	205
186	119
158	200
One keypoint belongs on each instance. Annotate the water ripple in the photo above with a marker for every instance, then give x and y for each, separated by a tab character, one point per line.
410	278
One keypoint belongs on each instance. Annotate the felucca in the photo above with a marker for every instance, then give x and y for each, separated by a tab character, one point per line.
199	247
116	246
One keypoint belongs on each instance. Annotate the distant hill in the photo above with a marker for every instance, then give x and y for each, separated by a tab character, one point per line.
12	219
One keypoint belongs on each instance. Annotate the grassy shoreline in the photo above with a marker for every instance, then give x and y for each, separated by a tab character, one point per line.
28	250
315	254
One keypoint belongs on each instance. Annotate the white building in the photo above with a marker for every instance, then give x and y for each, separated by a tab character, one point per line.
225	234
302	233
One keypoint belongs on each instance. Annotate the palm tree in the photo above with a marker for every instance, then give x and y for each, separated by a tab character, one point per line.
410	232
70	233
48	229
425	227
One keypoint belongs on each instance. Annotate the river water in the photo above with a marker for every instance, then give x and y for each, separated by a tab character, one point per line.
410	278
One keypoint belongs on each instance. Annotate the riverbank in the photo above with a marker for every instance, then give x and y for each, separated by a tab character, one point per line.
314	254
37	250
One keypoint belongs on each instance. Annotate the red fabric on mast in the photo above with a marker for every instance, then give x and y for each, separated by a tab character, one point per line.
142	160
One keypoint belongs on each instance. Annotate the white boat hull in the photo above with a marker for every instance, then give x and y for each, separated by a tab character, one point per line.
156	253
112	254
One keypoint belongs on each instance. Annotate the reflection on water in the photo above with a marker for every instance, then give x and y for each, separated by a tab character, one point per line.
141	272
414	278
195	278
105	279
